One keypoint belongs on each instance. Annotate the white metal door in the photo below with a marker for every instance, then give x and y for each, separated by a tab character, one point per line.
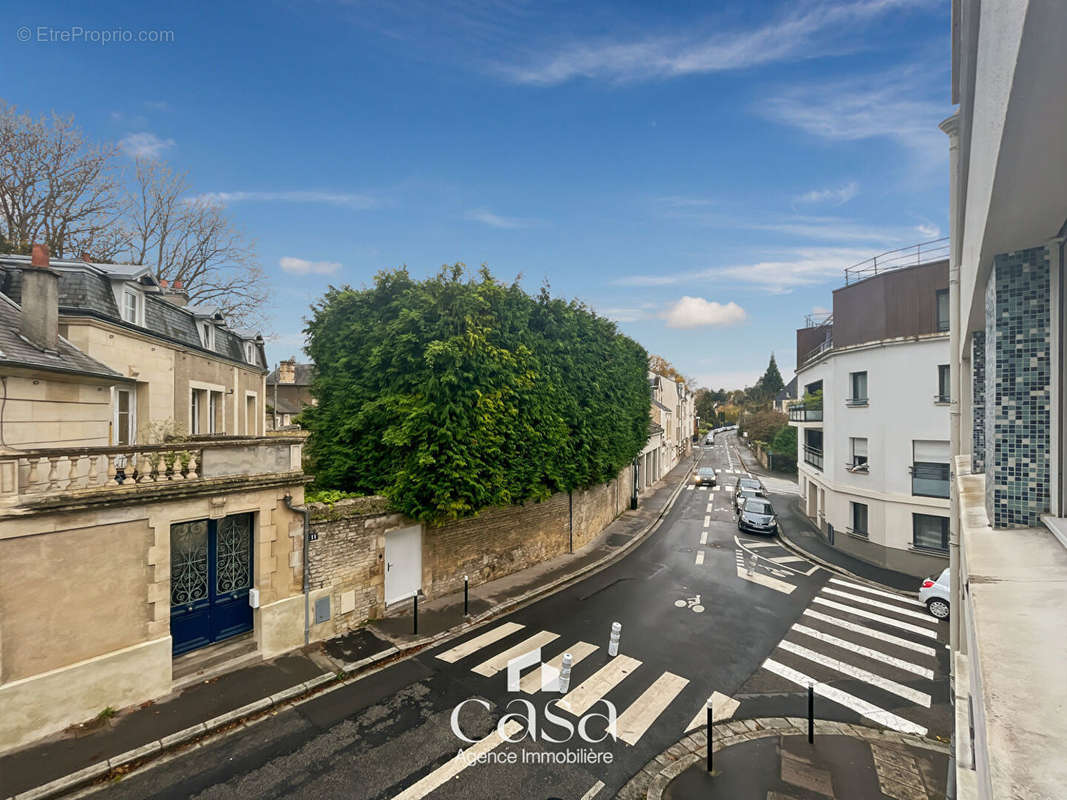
403	563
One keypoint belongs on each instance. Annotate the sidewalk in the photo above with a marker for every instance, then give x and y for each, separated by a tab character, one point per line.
801	534
770	759
117	744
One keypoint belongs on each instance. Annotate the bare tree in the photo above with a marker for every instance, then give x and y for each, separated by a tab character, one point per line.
57	187
190	239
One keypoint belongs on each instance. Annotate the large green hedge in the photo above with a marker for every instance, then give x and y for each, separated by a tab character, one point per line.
456	393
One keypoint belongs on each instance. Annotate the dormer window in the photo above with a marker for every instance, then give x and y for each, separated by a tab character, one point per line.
250	353
131	306
207	335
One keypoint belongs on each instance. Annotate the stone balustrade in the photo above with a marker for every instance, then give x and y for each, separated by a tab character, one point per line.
52	471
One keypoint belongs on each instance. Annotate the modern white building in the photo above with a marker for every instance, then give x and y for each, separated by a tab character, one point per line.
1008	158
872	413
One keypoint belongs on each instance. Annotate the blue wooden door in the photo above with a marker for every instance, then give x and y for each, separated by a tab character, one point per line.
211	573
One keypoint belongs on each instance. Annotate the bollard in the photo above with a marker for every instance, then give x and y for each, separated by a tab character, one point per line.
710	723
613	643
565	673
466	596
811	713
415	613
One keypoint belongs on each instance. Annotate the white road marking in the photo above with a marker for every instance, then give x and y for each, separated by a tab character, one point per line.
758	545
707	520
635	720
722	708
581	698
871	590
593	792
787	559
885	637
719	470
765	580
907	612
703	537
457	764
531	683
700	557
689	488
876	655
860	706
500	661
859	612
899	689
478	642
711	506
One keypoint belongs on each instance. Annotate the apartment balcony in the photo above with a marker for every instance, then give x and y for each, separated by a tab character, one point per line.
57	477
799	412
813	456
929	480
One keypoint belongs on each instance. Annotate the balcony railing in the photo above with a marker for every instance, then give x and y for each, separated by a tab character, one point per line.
798	412
813	456
818	350
913	255
929	479
36	474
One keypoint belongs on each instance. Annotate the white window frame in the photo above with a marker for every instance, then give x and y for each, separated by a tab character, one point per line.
214	403
207	335
131	417
127	293
207	388
252	430
250	353
194	411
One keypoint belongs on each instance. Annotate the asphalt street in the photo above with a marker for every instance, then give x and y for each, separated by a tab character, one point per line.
694	621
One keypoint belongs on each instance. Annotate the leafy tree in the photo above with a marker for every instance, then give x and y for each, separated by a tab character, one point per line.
452	394
662	366
785	441
763	425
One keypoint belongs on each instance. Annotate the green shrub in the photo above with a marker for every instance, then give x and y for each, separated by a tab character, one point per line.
452	394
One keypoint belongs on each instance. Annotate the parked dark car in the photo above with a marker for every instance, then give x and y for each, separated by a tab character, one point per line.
757	516
704	476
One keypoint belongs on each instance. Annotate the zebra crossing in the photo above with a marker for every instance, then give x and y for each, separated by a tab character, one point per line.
585	690
867	649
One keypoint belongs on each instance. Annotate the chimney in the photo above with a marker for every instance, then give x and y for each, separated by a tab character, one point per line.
287	371
175	293
40	301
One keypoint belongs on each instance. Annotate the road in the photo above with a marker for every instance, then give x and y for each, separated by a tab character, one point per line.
760	638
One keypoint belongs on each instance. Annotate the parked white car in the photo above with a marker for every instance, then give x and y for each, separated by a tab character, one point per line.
935	593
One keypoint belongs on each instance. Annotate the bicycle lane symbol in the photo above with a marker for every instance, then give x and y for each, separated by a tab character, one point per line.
692	603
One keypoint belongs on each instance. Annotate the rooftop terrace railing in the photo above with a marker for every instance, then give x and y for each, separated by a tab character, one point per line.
910	256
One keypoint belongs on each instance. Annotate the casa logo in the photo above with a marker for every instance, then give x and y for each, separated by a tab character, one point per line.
549	726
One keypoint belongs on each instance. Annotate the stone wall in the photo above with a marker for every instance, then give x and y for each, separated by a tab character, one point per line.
1017	394
347	551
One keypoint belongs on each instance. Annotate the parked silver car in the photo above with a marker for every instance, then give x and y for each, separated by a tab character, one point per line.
757	516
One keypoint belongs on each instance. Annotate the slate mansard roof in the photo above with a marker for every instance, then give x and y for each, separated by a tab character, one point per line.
85	290
304	375
16	351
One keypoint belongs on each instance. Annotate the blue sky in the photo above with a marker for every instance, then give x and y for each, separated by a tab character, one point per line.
700	173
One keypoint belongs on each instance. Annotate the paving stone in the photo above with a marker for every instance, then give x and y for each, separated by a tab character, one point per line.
901	791
806	776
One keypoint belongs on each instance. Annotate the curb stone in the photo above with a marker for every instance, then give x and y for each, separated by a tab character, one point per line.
654	778
159	747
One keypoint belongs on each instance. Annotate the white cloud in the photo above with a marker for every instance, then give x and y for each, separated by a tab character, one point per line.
792	268
696	312
837	196
929	230
358	202
301	266
897	105
813	29
144	145
487	217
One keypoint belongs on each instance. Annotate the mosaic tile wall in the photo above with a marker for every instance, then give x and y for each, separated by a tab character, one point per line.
978	400
1017	373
